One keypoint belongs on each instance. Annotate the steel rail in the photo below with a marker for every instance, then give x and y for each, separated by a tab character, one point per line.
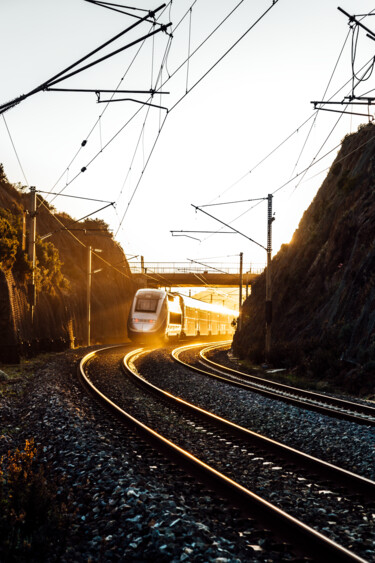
357	408
325	470
306	539
290	394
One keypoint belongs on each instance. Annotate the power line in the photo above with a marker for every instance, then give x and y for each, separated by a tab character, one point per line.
225	54
15	151
69	72
200	80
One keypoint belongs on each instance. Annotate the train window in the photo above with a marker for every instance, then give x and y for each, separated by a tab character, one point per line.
175	318
146	305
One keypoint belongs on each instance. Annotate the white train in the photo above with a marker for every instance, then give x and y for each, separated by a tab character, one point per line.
161	314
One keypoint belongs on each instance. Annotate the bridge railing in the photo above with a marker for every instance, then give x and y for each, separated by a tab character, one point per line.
187	268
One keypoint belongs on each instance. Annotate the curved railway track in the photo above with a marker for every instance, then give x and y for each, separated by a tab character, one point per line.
318	402
287	526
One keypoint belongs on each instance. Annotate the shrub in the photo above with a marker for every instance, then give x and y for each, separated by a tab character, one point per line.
8	242
29	519
48	271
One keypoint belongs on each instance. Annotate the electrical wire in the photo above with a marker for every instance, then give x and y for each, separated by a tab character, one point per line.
224	55
188	58
321	147
196	83
65	229
324	95
141	176
15	151
114	136
98	121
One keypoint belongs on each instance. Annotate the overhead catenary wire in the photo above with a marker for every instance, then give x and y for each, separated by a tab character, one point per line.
99	121
274	2
294	132
113	7
68	71
83	169
324	95
78	241
15	151
195	84
303	172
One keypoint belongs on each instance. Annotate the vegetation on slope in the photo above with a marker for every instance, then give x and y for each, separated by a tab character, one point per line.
60	276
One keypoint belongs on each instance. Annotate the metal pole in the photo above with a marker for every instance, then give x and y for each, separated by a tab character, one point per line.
88	295
240	294
270	220
32	249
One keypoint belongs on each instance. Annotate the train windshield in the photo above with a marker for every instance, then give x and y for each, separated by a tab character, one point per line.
146	305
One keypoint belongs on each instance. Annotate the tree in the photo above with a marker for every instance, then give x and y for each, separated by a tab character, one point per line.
8	241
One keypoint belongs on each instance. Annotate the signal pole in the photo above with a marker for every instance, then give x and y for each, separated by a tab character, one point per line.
270	220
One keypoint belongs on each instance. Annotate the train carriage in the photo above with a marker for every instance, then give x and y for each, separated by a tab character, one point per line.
162	314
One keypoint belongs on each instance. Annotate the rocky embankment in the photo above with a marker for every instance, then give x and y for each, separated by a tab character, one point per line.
324	280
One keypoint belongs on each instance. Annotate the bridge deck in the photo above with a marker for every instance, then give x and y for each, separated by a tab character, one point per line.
188	275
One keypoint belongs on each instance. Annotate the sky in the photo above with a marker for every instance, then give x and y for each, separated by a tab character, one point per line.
245	90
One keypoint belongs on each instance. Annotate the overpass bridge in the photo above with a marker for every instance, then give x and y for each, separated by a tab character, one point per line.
192	274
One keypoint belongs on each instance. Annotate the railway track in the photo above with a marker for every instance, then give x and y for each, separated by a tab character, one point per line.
226	434
325	404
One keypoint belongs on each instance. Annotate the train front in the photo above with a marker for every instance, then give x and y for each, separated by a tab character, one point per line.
148	315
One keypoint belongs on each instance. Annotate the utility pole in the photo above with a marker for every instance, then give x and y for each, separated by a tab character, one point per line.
88	301
88	297
240	293
270	220
32	249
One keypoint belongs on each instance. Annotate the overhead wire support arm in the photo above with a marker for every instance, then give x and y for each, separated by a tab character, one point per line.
343	111
207	232
135	42
132	100
229	202
101	90
62	75
207	266
76	197
357	22
67	227
346	100
229	226
114	7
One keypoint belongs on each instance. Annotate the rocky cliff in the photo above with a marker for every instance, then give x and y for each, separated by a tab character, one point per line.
324	279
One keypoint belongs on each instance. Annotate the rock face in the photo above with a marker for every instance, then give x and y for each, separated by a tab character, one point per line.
60	313
324	279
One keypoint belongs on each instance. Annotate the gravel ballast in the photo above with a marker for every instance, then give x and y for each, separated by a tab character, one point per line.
124	503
